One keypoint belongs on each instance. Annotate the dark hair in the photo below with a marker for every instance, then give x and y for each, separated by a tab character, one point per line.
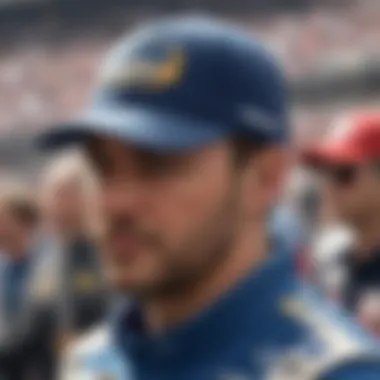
244	149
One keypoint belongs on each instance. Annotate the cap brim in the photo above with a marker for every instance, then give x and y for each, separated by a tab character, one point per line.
325	155
146	128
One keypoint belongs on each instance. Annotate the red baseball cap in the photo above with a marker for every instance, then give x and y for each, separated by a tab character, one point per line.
353	139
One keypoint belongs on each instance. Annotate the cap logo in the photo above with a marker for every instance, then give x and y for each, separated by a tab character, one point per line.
149	73
255	119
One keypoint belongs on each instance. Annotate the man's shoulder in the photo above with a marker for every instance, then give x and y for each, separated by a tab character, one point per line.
363	370
326	320
332	343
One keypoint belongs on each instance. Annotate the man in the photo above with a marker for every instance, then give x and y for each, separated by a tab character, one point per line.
294	220
187	137
67	196
19	218
327	248
349	162
70	276
18	223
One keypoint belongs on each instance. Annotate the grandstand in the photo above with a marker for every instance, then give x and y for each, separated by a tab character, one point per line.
50	51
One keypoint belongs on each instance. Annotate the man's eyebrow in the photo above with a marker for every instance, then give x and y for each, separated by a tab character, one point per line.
157	156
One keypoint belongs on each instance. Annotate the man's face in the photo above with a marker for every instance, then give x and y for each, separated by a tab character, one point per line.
169	219
353	190
15	235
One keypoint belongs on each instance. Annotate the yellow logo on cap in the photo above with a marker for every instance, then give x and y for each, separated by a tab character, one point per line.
150	74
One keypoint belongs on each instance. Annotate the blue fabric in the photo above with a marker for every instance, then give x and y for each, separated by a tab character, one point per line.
15	278
252	331
356	371
217	81
269	326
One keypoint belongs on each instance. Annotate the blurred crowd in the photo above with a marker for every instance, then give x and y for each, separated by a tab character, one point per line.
51	287
43	82
322	38
331	214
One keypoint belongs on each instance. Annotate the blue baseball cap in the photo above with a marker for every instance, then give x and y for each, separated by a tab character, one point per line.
180	84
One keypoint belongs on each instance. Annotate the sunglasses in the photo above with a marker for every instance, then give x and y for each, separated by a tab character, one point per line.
343	175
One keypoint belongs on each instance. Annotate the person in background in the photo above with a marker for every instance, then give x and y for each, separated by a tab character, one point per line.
19	217
294	219
66	295
67	195
18	223
348	161
369	311
307	223
70	275
330	239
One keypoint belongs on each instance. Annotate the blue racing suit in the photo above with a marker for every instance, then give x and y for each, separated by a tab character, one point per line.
270	326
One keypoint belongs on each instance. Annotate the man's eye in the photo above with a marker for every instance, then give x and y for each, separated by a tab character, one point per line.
161	168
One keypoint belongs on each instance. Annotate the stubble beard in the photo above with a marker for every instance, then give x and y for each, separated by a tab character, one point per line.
203	253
